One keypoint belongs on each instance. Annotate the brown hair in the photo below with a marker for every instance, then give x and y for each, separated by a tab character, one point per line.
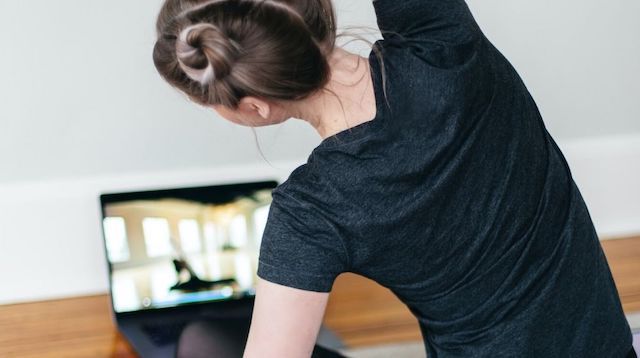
219	51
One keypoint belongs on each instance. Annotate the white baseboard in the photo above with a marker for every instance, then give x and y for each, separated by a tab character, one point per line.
51	246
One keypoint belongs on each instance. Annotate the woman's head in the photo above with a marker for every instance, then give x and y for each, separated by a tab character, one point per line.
229	53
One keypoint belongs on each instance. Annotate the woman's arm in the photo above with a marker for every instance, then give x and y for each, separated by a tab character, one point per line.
285	321
447	21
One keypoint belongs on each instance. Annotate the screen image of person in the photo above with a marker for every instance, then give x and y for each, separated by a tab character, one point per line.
172	251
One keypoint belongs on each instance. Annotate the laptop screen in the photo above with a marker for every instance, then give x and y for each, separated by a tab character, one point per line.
167	248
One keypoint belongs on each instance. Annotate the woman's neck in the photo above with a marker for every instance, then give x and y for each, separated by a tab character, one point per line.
346	101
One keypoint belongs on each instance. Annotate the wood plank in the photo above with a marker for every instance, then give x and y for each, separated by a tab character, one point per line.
623	256
77	327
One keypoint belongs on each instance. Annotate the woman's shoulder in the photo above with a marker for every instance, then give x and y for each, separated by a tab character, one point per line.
296	190
308	192
296	178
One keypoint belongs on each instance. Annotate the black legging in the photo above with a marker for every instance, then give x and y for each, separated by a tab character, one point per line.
224	338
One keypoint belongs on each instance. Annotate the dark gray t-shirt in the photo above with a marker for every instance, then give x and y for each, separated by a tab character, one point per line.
456	198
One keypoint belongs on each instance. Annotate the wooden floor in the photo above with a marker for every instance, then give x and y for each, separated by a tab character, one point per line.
363	313
624	260
359	311
78	327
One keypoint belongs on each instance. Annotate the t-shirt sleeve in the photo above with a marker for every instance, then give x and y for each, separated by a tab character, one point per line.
448	21
298	248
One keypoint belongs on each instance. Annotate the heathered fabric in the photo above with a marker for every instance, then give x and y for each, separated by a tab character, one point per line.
456	198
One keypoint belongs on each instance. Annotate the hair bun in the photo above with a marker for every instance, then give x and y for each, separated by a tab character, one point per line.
205	53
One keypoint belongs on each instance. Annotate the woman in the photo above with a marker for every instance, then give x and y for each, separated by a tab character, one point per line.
436	178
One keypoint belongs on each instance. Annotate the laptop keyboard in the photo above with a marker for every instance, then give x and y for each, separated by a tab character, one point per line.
165	333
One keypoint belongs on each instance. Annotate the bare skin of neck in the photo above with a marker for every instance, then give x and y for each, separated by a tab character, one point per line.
346	101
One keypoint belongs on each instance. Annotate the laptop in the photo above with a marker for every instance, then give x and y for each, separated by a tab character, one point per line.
181	255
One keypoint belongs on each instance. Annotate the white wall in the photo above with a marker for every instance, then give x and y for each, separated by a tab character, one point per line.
579	59
79	94
83	111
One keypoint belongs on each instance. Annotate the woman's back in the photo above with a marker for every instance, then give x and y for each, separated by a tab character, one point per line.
456	198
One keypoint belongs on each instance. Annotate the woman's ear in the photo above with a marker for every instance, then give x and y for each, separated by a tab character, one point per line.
254	107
